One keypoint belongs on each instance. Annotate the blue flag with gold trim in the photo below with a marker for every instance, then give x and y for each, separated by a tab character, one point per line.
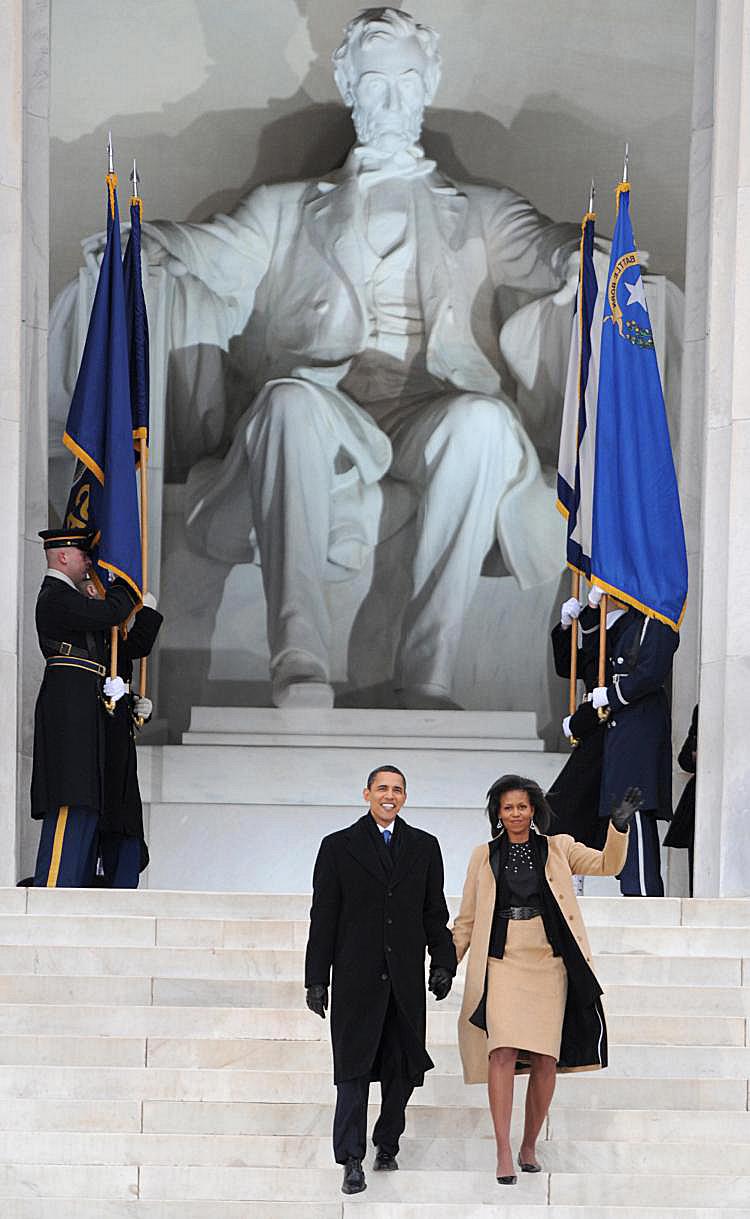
137	319
99	430
638	542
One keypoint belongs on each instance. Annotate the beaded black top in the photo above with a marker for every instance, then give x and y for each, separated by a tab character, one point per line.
521	877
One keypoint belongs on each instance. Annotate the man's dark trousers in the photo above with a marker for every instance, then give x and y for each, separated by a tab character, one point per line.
350	1118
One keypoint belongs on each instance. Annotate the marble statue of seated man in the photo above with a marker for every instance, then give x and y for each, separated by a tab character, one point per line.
359	316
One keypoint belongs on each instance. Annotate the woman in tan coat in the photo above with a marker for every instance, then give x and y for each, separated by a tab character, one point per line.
531	1001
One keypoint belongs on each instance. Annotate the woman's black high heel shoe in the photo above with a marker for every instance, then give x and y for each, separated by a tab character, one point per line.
526	1167
507	1180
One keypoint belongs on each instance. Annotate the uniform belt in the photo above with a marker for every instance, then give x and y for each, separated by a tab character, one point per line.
66	649
77	662
520	912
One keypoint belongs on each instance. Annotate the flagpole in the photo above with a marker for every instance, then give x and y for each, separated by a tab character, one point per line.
603	712
575	582
143	451
111	703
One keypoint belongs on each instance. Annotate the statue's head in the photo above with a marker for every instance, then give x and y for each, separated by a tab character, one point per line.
387	69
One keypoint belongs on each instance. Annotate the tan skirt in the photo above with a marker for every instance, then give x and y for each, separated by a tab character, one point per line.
526	992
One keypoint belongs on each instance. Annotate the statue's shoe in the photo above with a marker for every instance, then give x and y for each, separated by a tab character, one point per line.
426	698
299	681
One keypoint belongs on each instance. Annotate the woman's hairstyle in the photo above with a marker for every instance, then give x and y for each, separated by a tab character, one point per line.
543	814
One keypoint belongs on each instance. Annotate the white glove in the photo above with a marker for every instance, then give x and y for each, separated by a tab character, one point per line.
114	687
566	727
149	600
569	611
599	697
595	595
143	708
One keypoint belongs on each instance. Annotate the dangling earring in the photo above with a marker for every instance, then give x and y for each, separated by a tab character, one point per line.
532	826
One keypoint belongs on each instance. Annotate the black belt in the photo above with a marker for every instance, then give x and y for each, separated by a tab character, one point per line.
77	662
520	912
66	649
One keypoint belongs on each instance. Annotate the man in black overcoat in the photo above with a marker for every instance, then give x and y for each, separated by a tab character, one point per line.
66	782
378	903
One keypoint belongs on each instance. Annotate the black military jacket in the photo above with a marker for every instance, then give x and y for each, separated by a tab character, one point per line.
69	715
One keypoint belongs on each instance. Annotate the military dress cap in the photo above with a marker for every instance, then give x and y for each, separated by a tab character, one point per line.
55	538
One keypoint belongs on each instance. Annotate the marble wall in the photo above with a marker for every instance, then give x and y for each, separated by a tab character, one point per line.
24	306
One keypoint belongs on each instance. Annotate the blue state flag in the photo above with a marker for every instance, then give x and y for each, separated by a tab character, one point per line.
638	541
137	322
99	430
575	472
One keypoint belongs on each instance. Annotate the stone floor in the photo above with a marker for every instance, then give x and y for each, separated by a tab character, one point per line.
157	1062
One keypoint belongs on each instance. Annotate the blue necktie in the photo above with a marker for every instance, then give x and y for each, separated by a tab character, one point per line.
387	837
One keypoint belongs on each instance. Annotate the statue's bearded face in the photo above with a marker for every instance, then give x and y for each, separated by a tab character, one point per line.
388	92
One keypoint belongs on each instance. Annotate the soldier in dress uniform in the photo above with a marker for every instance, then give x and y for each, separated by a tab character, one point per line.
67	776
574	795
638	740
122	846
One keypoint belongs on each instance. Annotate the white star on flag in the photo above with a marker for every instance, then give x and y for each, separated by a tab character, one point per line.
636	294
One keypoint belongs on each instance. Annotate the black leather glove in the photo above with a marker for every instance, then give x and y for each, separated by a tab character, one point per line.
440	981
317	1000
622	814
584	721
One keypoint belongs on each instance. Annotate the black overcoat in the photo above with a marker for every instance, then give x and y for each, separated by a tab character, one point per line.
122	811
370	924
638	734
69	716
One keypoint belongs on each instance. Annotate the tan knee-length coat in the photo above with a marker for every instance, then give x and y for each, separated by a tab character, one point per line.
564	858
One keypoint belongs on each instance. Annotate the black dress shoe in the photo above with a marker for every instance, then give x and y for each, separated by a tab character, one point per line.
525	1166
507	1180
384	1161
354	1177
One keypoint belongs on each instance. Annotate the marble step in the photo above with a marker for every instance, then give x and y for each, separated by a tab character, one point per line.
294	1153
468	1120
375	726
570	1188
282	907
616	1088
221	1024
143	931
279	966
353	1208
331	777
282	1058
256	1054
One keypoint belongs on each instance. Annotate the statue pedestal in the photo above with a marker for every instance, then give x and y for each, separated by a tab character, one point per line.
243	803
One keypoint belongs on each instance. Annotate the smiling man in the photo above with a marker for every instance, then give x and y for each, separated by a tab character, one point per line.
378	903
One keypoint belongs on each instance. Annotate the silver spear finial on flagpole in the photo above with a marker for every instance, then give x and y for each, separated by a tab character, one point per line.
134	179
592	196
110	154
625	163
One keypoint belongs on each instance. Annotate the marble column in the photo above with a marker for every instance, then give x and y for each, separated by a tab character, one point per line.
689	448
24	306
723	788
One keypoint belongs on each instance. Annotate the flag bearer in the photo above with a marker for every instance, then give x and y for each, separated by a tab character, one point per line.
67	775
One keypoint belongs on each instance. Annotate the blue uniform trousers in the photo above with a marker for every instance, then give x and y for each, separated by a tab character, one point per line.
66	858
121	860
641	876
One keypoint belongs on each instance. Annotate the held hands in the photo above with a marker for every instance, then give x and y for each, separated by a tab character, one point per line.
317	1000
622	814
440	982
569	611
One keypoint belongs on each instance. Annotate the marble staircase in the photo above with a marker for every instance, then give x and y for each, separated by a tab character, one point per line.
157	1062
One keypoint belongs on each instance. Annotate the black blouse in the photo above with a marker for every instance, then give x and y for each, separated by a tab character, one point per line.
518	884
